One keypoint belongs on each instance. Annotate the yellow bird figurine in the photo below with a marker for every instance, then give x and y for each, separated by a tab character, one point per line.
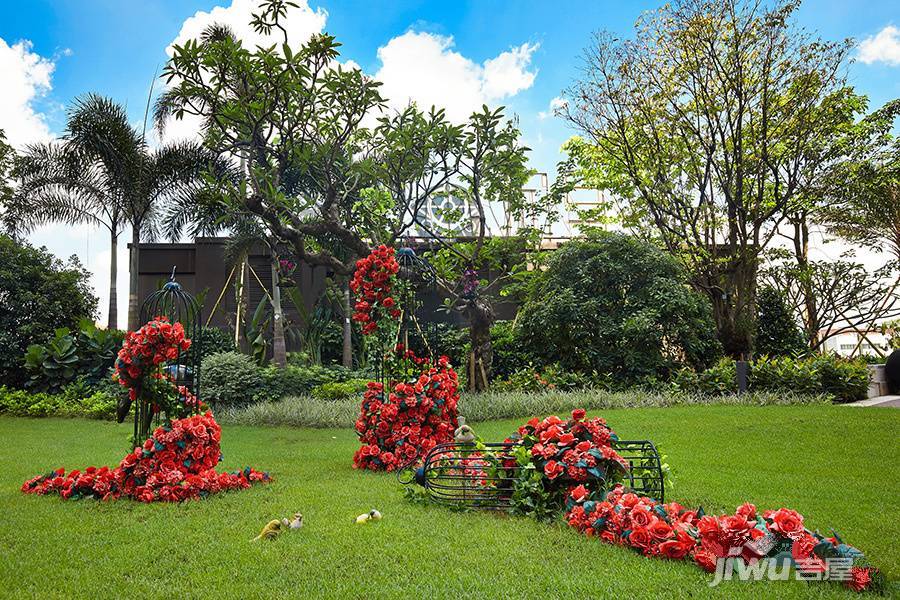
270	531
372	515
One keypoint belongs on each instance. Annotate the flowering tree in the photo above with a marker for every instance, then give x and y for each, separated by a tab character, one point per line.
320	180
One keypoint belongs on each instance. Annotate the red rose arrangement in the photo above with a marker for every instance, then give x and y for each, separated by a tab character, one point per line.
176	463
417	414
574	451
672	531
373	283
141	367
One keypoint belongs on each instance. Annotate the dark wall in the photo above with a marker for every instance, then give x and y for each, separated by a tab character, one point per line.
201	269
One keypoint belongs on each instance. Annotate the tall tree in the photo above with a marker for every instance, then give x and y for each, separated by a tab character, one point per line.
702	124
79	179
7	164
103	173
320	180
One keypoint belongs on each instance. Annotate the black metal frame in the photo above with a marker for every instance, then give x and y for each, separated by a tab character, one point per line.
462	476
172	302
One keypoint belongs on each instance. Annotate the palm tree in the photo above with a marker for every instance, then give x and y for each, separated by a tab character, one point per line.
103	172
70	181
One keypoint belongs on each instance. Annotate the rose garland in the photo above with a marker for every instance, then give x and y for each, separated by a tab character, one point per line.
672	531
176	463
415	417
373	283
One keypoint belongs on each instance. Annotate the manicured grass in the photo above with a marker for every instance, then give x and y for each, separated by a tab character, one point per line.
837	465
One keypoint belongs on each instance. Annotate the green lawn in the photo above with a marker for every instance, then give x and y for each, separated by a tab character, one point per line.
837	465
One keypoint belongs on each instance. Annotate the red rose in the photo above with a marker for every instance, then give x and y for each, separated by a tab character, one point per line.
860	578
552	469
578	414
660	530
640	538
785	521
706	560
579	493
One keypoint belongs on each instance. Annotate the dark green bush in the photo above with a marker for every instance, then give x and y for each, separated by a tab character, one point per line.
842	379
509	356
617	306
777	333
551	377
298	381
38	294
230	378
212	341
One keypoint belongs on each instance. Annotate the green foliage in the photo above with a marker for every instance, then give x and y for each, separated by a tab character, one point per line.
339	390
617	306
550	377
306	411
38	294
777	333
843	380
88	354
230	378
509	356
301	380
76	400
212	341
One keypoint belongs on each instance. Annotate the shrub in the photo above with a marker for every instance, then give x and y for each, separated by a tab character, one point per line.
72	402
212	341
38	294
615	305
298	381
509	356
339	390
841	379
551	377
88	354
230	378
777	333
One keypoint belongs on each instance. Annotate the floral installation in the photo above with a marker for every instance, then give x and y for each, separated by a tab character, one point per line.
672	531
141	367
419	413
176	463
373	284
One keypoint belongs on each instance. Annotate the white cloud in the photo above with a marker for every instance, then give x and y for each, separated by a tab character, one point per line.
26	78
556	104
424	68
301	22
882	47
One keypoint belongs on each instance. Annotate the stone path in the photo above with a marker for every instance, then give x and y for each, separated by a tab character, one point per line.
880	402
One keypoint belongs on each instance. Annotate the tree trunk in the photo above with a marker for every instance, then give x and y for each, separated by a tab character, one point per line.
241	300
734	307
480	315
278	347
347	358
112	319
134	259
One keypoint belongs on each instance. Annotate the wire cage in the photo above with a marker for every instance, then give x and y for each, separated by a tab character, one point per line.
417	331
178	306
482	476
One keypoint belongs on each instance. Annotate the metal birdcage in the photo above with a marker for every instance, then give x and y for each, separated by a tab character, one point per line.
483	475
417	330
178	306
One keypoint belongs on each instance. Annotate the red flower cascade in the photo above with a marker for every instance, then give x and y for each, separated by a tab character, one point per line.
176	463
373	283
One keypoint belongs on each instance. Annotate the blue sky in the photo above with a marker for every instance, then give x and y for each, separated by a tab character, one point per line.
518	53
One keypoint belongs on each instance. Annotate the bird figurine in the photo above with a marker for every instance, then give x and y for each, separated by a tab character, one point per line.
464	434
270	531
372	515
295	523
